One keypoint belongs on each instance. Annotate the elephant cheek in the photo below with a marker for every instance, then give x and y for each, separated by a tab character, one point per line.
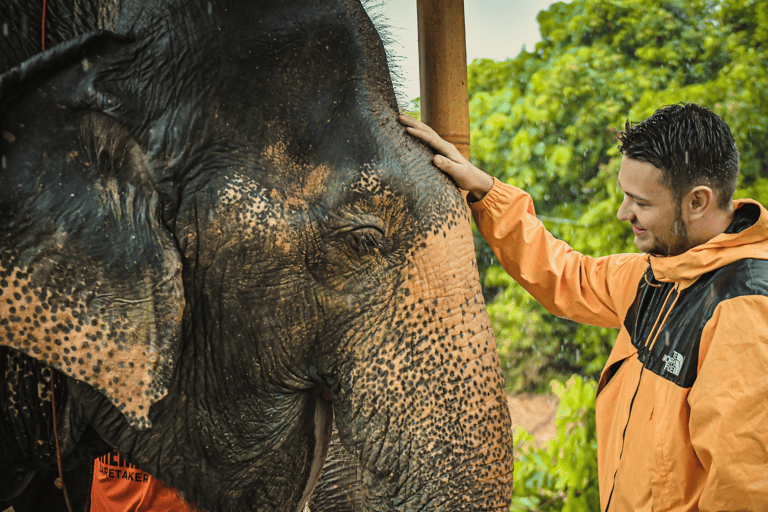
426	408
445	315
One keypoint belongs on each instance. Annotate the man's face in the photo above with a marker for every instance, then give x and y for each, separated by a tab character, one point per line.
651	209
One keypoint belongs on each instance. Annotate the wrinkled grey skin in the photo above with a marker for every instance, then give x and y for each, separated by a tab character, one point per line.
340	486
215	240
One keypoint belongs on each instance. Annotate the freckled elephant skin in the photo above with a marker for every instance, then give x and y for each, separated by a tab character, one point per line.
215	239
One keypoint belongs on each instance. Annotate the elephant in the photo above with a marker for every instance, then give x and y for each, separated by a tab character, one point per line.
216	242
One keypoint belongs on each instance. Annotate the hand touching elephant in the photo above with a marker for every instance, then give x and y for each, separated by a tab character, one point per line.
215	237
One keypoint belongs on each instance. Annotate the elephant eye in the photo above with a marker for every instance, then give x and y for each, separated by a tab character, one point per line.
366	241
350	259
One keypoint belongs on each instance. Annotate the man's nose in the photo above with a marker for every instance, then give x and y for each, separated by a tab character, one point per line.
624	213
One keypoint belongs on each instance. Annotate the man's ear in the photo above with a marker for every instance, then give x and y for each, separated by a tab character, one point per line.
90	277
698	202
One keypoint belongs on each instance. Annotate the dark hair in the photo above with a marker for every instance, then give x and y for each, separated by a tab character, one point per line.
691	146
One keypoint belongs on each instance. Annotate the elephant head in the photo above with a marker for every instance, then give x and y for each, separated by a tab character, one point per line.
216	240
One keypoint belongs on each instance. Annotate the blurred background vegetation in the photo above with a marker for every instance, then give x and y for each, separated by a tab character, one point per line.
546	121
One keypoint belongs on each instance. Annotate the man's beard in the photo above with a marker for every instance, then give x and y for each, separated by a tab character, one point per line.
677	240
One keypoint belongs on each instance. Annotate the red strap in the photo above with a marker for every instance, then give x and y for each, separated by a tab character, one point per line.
44	2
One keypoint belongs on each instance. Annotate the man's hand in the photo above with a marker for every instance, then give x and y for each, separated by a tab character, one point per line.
449	160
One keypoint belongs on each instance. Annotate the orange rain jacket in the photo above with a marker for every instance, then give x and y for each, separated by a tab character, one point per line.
121	487
682	404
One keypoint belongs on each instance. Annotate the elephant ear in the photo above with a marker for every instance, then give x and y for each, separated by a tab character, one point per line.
90	277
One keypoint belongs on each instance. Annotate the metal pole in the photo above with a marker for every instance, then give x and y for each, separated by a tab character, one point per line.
443	70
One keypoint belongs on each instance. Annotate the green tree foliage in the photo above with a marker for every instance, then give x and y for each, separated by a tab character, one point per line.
546	121
561	475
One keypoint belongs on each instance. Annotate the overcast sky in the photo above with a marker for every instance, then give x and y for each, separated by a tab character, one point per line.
496	29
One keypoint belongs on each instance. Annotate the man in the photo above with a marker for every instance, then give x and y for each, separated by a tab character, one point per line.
682	403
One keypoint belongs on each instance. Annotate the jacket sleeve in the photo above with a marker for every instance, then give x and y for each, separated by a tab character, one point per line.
595	291
729	407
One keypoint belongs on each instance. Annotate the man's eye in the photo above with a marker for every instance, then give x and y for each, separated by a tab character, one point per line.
635	201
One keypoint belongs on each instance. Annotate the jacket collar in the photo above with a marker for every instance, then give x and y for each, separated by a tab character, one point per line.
721	250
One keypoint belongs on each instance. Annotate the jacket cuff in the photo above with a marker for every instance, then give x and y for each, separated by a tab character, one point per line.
481	204
498	194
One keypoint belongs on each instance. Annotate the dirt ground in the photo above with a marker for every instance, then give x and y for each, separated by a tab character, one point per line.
536	413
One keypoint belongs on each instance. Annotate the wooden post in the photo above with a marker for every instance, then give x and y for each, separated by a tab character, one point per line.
443	70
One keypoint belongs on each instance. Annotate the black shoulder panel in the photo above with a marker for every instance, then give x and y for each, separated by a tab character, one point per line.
674	355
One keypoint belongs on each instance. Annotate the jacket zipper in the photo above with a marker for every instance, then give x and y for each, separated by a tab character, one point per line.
650	340
623	435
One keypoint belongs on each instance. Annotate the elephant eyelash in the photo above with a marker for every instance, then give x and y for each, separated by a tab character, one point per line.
366	241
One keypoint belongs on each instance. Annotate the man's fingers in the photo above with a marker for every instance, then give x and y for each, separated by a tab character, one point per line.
447	164
450	160
454	169
441	162
420	130
423	132
409	121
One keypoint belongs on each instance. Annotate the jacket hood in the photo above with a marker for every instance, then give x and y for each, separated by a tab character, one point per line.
721	250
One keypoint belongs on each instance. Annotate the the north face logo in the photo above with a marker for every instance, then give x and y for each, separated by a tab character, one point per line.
673	363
